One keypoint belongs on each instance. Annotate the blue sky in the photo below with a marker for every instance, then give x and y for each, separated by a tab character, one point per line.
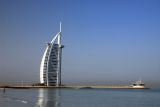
105	40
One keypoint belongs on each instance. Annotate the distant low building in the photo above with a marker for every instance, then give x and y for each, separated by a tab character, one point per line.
50	68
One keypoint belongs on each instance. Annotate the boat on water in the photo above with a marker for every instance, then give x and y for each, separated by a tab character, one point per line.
138	84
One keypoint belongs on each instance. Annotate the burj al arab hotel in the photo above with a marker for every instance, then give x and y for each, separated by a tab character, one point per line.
50	68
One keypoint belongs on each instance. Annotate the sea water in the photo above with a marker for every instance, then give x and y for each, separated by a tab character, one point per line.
79	98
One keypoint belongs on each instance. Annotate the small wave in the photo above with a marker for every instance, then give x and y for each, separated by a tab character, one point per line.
22	101
8	98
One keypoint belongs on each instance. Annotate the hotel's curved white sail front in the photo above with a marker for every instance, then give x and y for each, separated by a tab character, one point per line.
50	69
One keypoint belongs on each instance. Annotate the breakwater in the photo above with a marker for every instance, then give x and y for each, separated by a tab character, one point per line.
75	87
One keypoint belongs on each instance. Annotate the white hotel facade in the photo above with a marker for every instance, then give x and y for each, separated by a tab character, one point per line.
50	68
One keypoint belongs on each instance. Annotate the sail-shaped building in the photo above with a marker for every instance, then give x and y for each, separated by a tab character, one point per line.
50	68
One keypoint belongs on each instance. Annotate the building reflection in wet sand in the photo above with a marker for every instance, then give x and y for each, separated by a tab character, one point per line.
48	98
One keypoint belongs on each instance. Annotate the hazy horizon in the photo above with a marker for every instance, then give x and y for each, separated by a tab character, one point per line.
106	41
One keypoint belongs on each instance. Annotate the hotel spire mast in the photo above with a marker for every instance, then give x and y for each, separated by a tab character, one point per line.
59	37
60	54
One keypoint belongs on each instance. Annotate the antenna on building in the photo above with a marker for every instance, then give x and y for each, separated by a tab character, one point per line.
59	36
60	27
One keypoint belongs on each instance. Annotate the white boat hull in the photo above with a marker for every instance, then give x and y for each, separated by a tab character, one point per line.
138	87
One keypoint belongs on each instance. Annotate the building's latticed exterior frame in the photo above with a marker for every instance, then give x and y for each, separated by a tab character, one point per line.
50	69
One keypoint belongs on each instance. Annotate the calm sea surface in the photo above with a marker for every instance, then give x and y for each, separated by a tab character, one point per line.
79	98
